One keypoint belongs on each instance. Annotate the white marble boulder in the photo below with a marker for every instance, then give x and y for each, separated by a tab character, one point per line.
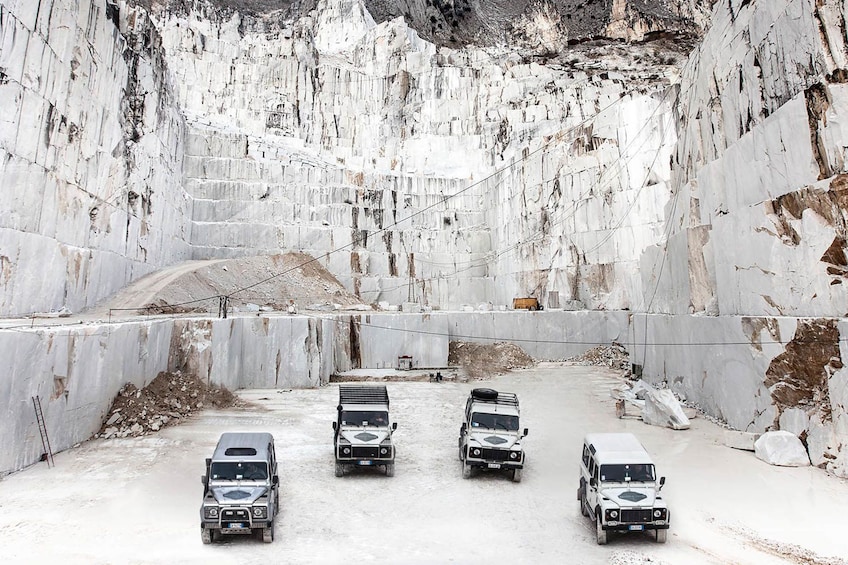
663	409
781	448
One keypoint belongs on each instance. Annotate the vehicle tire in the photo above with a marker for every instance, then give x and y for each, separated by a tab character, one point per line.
466	470
390	469
484	393
662	536
516	475
268	533
581	494
599	530
206	535
339	469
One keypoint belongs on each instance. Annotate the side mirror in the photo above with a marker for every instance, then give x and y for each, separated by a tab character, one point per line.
662	482
463	427
394	425
203	480
275	480
526	431
334	426
593	483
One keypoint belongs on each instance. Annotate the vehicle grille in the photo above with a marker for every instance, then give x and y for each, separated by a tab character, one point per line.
366	452
234	515
495	455
637	516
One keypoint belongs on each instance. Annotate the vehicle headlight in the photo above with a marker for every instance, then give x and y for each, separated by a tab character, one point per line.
211	511
614	514
513	455
657	513
259	511
383	451
346	451
475	452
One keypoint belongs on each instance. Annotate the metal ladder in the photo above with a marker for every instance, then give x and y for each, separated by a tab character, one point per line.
42	429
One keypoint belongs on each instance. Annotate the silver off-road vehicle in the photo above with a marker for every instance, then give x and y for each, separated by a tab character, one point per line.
362	432
619	489
489	437
240	487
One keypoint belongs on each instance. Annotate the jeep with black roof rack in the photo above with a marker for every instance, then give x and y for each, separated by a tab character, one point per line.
240	487
490	435
362	431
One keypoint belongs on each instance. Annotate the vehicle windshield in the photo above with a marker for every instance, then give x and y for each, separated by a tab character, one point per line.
248	471
494	421
365	418
627	473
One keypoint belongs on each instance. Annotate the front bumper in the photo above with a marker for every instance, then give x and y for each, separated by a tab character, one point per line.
235	520
489	458
628	527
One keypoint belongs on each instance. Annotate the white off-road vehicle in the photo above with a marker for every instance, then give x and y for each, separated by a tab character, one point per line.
490	436
362	431
240	487
619	489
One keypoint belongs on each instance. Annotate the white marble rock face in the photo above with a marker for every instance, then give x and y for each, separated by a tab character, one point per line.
129	143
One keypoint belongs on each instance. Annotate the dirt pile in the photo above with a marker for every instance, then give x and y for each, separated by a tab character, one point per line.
265	282
481	360
613	356
166	401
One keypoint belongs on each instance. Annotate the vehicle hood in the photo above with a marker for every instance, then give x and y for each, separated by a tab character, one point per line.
635	495
500	440
241	494
363	436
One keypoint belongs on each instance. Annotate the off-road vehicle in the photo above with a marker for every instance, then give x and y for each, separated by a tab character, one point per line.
362	431
240	487
619	489
489	437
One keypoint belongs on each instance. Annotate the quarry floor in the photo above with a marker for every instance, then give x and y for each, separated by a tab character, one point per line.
136	500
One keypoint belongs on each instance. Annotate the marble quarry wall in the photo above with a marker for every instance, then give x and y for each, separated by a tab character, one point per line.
701	215
91	144
756	230
449	177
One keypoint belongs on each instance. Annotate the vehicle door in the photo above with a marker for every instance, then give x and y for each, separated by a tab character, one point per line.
592	490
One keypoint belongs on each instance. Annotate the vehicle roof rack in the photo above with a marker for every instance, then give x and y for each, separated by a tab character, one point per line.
486	396
371	394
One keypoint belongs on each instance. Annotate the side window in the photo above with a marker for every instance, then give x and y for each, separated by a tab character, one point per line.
596	470
585	456
591	467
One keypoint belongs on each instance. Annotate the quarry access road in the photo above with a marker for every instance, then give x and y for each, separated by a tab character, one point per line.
136	500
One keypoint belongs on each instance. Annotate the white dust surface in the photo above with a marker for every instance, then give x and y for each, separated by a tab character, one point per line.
137	500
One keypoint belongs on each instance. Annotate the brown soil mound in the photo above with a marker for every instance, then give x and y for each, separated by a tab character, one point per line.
265	281
613	356
166	401
480	360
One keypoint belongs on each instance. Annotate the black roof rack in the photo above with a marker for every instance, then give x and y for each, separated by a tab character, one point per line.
370	394
490	396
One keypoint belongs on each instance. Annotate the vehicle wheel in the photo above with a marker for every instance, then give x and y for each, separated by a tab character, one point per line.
466	470
339	469
390	470
268	533
601	532
583	509
662	535
516	475
206	535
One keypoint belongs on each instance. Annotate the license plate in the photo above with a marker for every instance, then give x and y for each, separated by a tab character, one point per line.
636	528
236	525
365	463
494	465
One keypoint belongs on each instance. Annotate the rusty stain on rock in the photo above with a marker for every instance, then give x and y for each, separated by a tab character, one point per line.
798	377
753	328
